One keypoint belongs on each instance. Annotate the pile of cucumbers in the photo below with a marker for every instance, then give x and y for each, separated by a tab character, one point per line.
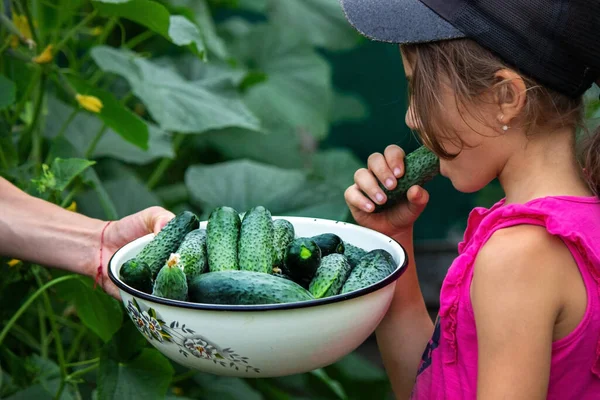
250	258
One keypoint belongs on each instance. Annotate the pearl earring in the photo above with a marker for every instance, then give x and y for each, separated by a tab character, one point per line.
504	127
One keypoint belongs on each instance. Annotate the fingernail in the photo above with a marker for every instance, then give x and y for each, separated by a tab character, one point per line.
368	206
379	197
418	195
389	183
397	172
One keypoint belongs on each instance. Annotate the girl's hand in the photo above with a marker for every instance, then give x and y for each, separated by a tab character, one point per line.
385	168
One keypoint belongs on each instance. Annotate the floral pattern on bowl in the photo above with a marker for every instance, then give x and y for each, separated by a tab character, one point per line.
154	328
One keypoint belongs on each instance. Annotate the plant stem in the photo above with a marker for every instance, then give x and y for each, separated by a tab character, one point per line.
184	376
76	343
102	38
165	163
43	332
60	353
30	300
90	150
134	41
82	372
22	335
74	30
36	151
67	122
80	363
21	105
30	22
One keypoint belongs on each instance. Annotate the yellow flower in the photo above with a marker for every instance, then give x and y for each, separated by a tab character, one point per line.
90	103
177	391
13	262
97	31
46	55
72	207
21	23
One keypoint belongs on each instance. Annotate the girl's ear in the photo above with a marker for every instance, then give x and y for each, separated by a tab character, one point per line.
510	95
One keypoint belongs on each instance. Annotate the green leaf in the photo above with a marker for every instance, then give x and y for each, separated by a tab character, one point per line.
178	105
336	167
65	171
146	377
47	382
125	123
297	95
8	91
318	22
348	107
98	311
332	384
243	184
225	388
156	17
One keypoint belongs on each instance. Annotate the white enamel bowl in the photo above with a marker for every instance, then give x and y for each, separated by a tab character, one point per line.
264	340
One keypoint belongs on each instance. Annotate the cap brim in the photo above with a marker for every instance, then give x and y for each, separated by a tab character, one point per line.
398	21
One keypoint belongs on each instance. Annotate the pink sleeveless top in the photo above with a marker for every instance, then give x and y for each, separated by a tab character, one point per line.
448	369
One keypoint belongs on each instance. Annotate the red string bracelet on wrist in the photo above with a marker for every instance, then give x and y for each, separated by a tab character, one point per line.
99	274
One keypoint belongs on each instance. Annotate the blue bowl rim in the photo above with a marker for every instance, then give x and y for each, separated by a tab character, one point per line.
264	307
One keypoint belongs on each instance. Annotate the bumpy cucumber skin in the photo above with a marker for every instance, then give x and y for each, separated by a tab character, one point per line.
245	288
301	270
156	252
353	253
420	167
373	267
193	253
330	276
171	283
222	235
329	243
137	275
255	247
283	234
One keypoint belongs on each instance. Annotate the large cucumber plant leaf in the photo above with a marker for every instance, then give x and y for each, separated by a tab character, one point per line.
156	17
7	92
177	104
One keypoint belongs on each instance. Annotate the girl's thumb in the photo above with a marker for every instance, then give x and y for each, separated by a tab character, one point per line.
417	200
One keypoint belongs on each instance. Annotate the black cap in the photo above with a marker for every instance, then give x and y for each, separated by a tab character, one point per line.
553	41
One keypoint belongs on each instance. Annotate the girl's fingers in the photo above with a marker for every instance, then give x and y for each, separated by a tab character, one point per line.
378	165
357	200
394	156
366	181
417	199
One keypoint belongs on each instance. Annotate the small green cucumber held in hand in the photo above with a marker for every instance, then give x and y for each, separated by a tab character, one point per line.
157	251
329	243
373	267
170	282
420	166
245	288
330	276
255	247
283	235
302	259
193	253
136	274
222	236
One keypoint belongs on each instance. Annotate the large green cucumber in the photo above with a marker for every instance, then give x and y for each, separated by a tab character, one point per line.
192	251
283	234
137	275
156	252
331	276
170	282
373	267
245	288
222	236
353	253
420	166
255	247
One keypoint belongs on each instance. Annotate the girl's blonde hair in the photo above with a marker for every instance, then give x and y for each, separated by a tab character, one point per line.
470	71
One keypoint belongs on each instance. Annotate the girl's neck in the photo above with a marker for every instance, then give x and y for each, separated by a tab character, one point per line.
545	165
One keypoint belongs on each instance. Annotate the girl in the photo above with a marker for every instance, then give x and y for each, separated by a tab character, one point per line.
496	92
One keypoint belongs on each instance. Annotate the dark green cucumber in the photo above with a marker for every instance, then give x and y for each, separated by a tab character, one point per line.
167	241
302	258
222	236
373	267
170	282
245	288
330	276
192	251
137	275
283	235
353	253
420	166
255	247
329	243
